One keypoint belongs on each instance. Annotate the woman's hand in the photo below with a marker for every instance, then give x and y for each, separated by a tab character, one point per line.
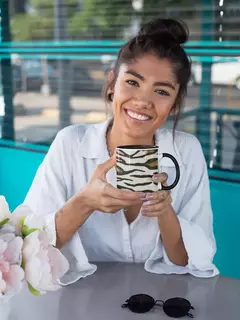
159	202
96	195
100	195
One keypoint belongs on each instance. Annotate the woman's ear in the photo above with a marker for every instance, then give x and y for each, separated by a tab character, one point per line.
110	96
110	91
110	76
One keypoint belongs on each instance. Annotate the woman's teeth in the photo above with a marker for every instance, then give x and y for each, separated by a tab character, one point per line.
137	116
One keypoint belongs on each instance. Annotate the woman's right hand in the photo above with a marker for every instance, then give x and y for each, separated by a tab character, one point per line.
99	195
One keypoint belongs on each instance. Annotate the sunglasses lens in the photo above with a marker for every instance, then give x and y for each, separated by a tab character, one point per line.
140	303
176	307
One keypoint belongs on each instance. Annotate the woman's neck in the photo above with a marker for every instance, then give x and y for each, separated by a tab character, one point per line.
115	137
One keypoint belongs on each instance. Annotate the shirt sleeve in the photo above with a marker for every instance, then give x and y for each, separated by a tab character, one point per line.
196	222
48	193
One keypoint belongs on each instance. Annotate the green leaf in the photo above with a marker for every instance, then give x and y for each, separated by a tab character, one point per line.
33	230
23	265
26	231
2	223
32	290
22	219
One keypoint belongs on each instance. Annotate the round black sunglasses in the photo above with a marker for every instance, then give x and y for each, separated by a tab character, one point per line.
174	307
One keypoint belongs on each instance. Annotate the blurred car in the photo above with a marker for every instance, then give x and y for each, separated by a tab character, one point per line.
83	83
29	75
223	73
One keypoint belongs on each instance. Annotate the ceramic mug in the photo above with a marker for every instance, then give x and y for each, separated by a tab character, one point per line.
136	165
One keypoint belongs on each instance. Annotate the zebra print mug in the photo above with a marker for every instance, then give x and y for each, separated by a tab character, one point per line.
136	165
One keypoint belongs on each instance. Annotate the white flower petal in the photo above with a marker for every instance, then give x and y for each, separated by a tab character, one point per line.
59	263
21	211
14	278
33	272
34	221
13	252
4	209
3	246
44	264
31	246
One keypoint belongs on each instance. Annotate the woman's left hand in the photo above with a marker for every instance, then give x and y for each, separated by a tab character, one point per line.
159	202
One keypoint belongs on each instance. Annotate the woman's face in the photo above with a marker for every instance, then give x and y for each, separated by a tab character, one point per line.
144	94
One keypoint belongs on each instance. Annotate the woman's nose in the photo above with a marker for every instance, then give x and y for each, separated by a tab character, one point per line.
142	103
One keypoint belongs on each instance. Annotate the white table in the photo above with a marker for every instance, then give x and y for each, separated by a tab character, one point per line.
100	296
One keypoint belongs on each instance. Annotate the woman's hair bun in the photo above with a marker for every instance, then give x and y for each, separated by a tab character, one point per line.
177	31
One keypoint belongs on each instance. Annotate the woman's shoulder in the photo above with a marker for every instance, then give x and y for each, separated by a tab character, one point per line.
80	137
68	138
72	132
79	131
185	144
190	148
180	139
183	138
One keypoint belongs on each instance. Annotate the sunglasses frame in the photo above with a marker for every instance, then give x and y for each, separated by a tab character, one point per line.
174	307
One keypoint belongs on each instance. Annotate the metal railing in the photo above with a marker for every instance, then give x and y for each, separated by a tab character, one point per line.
209	44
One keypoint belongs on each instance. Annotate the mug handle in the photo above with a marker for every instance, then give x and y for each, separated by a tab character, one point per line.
167	155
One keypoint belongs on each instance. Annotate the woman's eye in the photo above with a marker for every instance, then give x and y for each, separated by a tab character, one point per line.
162	92
132	83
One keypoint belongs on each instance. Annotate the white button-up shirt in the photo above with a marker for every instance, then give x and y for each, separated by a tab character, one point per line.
68	166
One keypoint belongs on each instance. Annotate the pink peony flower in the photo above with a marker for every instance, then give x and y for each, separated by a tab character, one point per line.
26	252
44	265
18	217
25	221
11	273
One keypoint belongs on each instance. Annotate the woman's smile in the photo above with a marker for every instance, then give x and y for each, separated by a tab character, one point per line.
136	116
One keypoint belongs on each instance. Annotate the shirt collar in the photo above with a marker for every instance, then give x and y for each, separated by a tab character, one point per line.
93	144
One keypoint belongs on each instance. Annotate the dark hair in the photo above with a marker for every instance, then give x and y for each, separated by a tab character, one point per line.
164	38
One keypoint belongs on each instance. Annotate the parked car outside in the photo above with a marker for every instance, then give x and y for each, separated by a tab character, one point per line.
29	76
224	72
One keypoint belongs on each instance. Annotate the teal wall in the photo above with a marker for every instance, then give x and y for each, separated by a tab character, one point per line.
17	169
225	202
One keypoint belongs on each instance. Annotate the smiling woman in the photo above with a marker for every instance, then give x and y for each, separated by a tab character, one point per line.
155	63
75	186
144	95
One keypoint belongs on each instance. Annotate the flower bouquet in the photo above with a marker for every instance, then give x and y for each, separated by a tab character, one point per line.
27	254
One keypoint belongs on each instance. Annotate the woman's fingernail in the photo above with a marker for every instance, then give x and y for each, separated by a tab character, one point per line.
142	195
147	203
143	212
149	196
156	177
